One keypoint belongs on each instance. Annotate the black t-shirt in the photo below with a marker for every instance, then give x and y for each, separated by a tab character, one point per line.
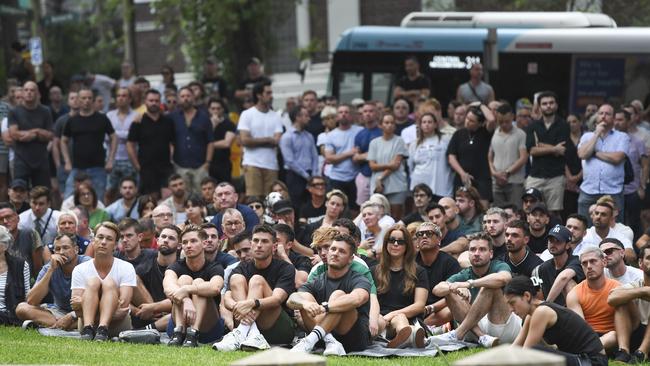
215	87
526	266
499	252
33	152
450	237
249	83
311	213
399	127
152	275
571	333
444	266
221	157
413	217
145	256
471	151
315	126
44	90
321	288
548	273
279	274
395	298
420	82
88	134
308	231
153	139
209	270
539	244
550	165
300	262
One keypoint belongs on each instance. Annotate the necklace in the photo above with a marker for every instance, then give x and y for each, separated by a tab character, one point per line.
471	139
395	269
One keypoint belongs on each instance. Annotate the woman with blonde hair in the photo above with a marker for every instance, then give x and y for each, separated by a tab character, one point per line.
402	289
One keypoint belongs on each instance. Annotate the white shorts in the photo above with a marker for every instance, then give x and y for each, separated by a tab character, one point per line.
507	332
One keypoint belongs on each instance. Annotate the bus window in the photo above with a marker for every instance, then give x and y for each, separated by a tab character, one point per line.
350	86
381	87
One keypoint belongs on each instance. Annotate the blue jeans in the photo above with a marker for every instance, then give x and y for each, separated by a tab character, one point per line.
585	200
97	175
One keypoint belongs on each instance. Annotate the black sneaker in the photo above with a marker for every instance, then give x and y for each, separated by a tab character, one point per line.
622	356
190	339
176	340
638	356
102	334
87	333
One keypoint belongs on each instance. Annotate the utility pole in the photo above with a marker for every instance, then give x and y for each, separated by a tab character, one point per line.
128	30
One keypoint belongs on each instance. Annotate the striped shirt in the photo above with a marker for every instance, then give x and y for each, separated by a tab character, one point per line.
3	285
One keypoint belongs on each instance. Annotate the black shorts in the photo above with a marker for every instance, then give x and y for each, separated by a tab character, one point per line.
152	178
357	339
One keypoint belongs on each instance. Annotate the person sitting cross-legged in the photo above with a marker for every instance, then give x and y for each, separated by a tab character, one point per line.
53	279
475	297
194	286
257	291
335	305
102	288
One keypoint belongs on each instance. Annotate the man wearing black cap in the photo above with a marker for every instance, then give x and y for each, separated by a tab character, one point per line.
215	86
18	195
283	213
254	75
538	219
560	274
530	197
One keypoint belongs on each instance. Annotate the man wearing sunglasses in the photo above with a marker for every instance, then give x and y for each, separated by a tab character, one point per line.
616	268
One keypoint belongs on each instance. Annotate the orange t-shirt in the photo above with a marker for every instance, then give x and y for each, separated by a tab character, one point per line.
598	313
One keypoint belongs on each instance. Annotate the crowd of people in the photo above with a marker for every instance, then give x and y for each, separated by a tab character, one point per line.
128	207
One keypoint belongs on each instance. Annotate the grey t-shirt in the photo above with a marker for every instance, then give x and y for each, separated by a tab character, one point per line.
483	90
506	151
383	152
34	152
322	287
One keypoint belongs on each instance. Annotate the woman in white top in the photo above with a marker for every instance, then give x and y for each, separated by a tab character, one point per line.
428	158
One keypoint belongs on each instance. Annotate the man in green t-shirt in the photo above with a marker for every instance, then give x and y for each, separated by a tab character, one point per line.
475	297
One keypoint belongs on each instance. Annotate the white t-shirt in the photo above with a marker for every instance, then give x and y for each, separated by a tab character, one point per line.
260	125
122	273
592	238
643	305
631	275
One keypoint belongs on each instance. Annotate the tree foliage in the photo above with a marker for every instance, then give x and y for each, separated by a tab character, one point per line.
231	30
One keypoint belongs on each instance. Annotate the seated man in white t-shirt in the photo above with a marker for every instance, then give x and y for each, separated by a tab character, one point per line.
616	268
102	288
602	216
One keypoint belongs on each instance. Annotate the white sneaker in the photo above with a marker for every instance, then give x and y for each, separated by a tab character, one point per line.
333	348
255	343
487	341
449	336
230	342
302	346
29	324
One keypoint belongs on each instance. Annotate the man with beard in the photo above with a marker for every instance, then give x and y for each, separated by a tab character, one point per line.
577	225
637	293
211	246
602	218
335	305
422	196
151	307
494	221
176	201
339	150
102	288
475	297
257	291
451	212
561	273
148	146
613	324
439	266
616	268
546	141
520	258
130	243
436	215
193	146
194	286
126	206
538	219
54	279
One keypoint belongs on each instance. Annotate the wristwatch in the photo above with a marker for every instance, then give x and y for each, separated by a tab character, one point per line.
471	283
326	306
257	304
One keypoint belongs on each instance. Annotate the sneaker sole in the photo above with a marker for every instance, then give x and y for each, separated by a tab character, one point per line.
401	337
252	348
419	338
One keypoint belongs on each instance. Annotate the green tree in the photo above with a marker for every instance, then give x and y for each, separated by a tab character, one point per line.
232	30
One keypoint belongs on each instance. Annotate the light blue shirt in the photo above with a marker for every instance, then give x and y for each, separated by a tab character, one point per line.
339	141
600	177
118	212
299	152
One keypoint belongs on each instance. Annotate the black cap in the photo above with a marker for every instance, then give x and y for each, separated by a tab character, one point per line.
560	233
539	207
18	183
533	192
282	206
254	60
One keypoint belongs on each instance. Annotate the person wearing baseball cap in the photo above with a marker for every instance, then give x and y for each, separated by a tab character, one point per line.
561	273
18	195
254	75
616	269
538	219
530	197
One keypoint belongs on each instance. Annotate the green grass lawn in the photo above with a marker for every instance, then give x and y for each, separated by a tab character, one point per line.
29	347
